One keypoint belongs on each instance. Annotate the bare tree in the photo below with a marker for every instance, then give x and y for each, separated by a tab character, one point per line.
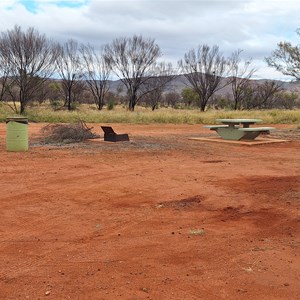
96	73
262	96
172	99
240	79
4	76
287	100
41	94
286	59
78	92
29	55
69	69
55	94
160	75
11	94
131	59
204	68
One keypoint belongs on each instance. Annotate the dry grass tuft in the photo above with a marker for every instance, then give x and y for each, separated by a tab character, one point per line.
197	231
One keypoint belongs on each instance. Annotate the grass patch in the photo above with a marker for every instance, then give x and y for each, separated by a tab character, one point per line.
88	113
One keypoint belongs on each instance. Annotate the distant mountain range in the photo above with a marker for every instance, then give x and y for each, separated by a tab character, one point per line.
180	83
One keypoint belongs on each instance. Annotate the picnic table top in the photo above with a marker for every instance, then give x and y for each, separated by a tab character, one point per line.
238	121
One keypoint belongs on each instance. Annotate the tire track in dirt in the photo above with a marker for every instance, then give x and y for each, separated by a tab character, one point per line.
284	190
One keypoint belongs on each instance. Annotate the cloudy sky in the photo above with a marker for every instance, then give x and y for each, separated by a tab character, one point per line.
255	26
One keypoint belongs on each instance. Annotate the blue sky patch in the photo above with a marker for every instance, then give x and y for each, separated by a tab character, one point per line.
32	5
74	4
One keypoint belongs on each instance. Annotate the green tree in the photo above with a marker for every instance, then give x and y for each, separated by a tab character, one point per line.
189	96
286	59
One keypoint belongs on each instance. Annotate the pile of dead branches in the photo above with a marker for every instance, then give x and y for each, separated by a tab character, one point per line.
67	133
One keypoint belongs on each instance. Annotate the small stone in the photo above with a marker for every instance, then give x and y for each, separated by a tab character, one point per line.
47	293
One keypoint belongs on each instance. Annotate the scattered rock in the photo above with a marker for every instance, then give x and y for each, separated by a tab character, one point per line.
145	290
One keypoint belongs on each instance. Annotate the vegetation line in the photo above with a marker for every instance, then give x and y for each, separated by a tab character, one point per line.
88	113
34	68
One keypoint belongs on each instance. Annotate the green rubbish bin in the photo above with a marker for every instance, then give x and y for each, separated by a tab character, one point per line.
17	134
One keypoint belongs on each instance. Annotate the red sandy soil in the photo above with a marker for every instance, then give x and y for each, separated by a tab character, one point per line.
159	217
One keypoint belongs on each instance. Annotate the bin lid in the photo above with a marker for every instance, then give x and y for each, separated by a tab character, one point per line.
22	120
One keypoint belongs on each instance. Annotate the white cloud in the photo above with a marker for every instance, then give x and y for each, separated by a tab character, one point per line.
252	25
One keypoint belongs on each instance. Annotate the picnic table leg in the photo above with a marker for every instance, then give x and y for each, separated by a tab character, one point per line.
230	133
247	125
250	135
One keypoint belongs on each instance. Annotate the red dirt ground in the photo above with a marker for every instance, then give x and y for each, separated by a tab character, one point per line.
160	217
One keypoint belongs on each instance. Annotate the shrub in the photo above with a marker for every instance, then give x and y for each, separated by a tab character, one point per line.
110	104
56	104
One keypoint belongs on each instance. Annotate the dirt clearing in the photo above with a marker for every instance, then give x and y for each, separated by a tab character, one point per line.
159	217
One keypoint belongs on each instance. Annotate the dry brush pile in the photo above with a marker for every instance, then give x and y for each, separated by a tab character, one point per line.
67	133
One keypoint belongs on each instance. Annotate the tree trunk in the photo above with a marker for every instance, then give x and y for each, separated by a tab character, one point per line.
99	105
69	105
69	100
132	102
202	105
22	101
22	107
235	105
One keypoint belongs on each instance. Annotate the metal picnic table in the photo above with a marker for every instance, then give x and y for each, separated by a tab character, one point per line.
239	129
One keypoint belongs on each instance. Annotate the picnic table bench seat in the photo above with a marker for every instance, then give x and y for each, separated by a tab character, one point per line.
251	133
216	127
261	129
